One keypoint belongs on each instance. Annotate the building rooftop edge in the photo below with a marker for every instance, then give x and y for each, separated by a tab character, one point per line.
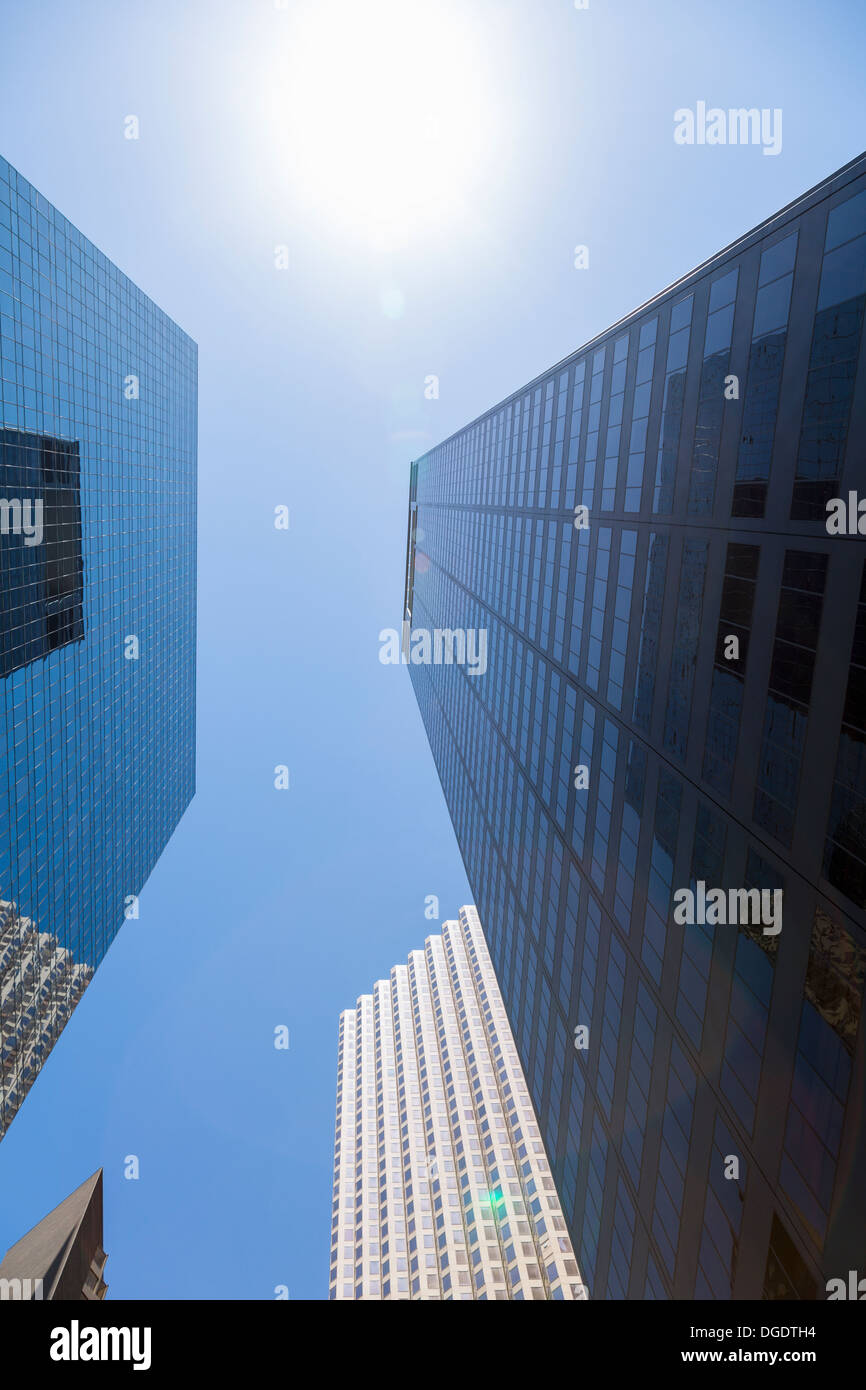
98	249
813	195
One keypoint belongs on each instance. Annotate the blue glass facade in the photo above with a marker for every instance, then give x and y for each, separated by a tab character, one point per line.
97	622
705	434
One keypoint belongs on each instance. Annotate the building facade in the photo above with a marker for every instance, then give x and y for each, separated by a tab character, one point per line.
442	1189
659	538
97	611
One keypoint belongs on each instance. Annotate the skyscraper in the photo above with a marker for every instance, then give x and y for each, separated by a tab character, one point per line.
97	612
442	1189
61	1258
660	539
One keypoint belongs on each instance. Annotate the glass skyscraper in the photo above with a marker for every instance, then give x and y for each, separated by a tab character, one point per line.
97	612
675	699
442	1188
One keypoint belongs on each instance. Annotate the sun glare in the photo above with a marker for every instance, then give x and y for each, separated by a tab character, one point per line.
381	108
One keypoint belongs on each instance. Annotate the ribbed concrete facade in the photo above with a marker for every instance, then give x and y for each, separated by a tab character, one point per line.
40	985
442	1188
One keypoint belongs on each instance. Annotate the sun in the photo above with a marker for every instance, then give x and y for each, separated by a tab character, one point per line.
381	112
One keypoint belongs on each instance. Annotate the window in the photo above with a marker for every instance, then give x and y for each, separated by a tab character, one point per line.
653	603
723	1216
845	845
599	607
673	396
621	616
711	399
614	423
685	648
749	1007
639	1075
708	859
673	1156
640	415
622	1241
764	377
663	855
833	361
790	691
630	822
787	1276
822	1070
41	567
593	423
729	670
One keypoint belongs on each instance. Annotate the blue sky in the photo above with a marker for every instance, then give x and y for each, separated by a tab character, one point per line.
275	908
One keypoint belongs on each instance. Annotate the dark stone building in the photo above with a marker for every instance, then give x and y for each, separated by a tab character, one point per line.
62	1258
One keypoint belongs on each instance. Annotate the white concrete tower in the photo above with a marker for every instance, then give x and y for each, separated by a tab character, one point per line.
442	1187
